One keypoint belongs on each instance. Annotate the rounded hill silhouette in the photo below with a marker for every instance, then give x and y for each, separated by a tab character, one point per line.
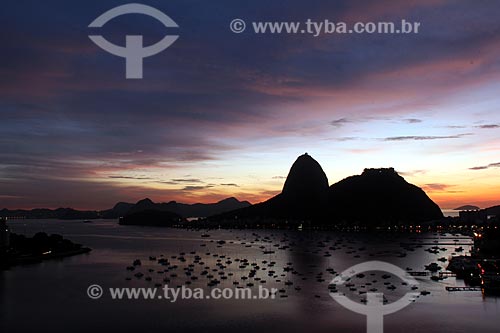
306	177
380	196
304	195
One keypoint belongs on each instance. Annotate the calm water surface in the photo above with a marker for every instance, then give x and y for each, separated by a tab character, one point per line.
51	296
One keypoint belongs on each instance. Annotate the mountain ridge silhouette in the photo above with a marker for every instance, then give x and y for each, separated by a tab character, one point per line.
377	196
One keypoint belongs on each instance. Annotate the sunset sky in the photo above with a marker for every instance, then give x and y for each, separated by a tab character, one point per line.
221	114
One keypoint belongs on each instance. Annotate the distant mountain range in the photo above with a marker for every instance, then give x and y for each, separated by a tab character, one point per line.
43	213
183	210
124	208
377	196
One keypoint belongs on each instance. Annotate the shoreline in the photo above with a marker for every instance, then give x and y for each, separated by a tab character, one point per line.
36	259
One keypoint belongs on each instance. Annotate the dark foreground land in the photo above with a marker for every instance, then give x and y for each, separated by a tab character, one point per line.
40	247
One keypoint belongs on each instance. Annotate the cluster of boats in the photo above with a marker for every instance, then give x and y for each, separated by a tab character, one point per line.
478	272
490	276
